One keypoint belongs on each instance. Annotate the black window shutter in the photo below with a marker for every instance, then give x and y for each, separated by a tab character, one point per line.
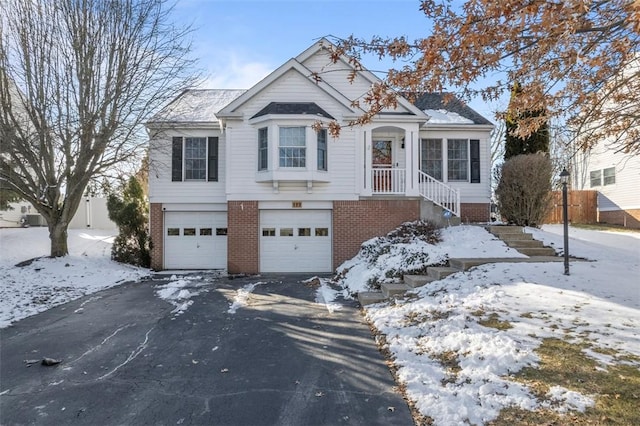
475	160
213	159
176	159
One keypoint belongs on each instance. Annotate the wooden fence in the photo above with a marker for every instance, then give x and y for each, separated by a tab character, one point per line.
583	207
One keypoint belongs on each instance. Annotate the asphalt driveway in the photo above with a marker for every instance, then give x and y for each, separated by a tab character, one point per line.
127	359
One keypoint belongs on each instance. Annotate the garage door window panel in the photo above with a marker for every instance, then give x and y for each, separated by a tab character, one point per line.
189	232
322	232
221	232
173	232
286	232
268	232
205	232
304	232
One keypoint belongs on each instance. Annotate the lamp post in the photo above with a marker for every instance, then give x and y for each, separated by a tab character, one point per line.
564	179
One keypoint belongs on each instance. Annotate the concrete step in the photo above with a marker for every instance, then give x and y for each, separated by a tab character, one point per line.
505	229
393	289
537	251
524	243
464	264
440	272
524	236
414	281
370	297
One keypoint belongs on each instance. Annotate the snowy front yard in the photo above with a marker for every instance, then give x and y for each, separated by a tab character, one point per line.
458	344
474	348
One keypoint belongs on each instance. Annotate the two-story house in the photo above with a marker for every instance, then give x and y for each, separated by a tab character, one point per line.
241	180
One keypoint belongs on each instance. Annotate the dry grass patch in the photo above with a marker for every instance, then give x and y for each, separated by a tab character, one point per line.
616	391
494	321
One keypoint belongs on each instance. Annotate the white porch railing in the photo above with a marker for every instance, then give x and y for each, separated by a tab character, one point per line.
440	193
388	180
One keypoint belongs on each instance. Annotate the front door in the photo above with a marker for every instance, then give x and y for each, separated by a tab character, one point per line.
382	163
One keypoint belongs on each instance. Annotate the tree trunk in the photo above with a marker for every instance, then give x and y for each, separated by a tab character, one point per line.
58	236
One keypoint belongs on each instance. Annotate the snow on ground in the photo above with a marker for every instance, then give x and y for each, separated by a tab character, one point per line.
180	289
241	298
46	282
457	370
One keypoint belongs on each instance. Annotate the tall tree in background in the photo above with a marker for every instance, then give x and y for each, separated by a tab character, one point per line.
78	78
537	141
579	60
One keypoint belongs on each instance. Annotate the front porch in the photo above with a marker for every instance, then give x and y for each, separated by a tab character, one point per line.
392	157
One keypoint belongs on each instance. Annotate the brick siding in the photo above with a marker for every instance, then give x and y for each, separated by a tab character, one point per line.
355	222
242	237
474	212
628	218
156	231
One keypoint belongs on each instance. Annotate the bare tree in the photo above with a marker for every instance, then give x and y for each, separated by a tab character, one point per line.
578	59
78	78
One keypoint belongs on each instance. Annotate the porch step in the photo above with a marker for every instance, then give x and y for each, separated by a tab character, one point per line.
414	281
498	230
516	244
393	289
440	272
537	251
370	297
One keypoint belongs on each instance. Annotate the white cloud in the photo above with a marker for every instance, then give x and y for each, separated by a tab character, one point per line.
232	71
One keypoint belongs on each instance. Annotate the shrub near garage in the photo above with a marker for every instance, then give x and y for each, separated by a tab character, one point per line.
130	213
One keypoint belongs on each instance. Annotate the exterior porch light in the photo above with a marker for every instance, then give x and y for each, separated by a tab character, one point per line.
402	143
564	179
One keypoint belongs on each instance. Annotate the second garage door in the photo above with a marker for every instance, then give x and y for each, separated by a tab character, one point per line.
295	240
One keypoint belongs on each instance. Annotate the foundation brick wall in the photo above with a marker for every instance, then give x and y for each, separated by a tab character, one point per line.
242	237
355	222
474	212
156	231
628	218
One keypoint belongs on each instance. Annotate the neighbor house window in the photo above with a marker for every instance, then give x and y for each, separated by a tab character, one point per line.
609	176
595	177
263	148
194	159
322	149
458	159
292	147
432	158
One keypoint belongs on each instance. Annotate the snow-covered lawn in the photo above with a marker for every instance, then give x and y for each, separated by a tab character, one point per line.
457	370
45	283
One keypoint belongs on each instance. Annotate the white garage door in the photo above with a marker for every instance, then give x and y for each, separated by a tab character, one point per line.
195	240
295	240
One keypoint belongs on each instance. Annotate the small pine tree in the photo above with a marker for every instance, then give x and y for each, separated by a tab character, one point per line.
535	142
130	213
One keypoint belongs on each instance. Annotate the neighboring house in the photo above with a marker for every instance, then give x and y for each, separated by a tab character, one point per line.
92	213
616	177
240	179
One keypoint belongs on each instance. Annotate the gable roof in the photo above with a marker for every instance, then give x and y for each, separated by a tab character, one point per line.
304	108
446	108
197	106
292	64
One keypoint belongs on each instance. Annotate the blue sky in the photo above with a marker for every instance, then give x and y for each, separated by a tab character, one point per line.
240	41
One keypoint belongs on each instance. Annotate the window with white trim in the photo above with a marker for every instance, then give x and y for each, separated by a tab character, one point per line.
457	159
595	178
432	158
195	158
322	149
263	148
609	176
292	147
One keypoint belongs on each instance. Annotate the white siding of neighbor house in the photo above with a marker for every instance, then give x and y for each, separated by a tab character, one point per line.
624	193
469	192
163	190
